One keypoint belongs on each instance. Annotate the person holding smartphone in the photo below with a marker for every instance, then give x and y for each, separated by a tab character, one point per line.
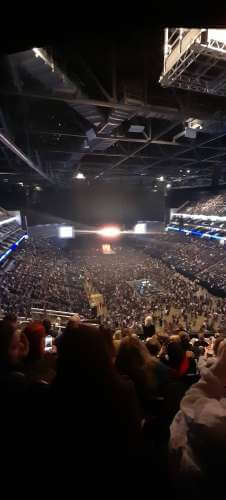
39	365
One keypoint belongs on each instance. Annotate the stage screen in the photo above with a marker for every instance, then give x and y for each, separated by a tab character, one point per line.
65	232
140	228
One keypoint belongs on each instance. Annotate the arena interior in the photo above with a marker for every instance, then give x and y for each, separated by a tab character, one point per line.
118	328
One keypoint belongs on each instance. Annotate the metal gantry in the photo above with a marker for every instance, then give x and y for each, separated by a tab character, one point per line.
103	147
182	51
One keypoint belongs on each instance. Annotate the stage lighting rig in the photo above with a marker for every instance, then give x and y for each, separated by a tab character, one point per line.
184	68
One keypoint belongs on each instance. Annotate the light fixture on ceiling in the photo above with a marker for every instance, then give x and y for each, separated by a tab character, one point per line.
44	56
136	129
40	53
188	171
161	178
137	125
168	185
195	123
80	176
37	52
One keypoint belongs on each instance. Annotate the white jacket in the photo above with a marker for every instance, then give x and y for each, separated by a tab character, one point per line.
198	431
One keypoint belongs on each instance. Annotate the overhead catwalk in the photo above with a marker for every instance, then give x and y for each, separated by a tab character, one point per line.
195	59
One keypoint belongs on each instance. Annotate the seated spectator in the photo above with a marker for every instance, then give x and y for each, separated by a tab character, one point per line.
117	340
209	355
201	341
74	321
198	434
38	365
108	337
177	359
101	414
147	372
153	347
48	327
188	349
11	318
11	378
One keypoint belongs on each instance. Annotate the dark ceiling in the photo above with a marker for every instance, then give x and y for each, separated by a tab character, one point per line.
79	114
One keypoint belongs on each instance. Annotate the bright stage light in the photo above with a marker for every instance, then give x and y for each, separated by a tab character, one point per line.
65	232
109	232
140	228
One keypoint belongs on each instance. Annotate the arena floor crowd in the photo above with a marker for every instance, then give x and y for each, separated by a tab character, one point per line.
146	380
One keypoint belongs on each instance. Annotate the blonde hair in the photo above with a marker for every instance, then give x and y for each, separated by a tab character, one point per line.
148	321
175	338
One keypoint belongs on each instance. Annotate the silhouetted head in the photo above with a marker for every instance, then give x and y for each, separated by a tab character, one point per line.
35	333
11	318
175	353
84	355
47	325
9	344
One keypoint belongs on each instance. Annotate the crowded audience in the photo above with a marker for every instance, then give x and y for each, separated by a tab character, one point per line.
49	277
146	380
42	276
198	258
134	400
208	205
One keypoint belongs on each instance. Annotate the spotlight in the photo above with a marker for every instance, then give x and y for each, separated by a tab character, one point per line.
109	232
80	175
